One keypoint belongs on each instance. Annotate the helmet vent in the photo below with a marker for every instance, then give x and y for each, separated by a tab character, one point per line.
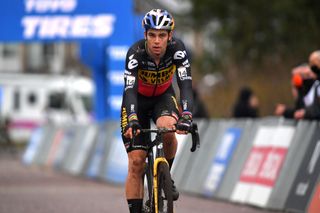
154	19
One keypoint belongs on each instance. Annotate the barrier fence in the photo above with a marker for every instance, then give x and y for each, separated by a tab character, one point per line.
270	163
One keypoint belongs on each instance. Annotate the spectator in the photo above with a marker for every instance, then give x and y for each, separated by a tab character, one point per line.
246	105
301	82
311	100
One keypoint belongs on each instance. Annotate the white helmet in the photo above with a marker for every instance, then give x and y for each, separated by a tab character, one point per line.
158	19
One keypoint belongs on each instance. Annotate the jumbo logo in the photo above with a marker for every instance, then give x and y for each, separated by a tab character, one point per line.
157	77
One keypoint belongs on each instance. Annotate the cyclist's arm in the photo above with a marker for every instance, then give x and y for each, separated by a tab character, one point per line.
131	86
184	78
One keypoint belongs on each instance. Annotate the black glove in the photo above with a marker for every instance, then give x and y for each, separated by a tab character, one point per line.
185	122
134	124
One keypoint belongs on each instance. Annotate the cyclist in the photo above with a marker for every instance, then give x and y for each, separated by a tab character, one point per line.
148	94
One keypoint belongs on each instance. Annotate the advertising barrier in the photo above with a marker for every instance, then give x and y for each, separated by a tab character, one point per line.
117	162
192	168
269	163
263	165
305	180
187	167
46	141
233	171
221	160
64	147
314	206
33	147
300	142
100	151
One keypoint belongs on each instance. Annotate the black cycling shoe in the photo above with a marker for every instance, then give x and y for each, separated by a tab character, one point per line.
175	193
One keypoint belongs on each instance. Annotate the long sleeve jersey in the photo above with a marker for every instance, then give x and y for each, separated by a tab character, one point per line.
143	76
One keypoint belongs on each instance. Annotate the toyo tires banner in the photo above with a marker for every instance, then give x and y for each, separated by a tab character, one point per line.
33	20
104	29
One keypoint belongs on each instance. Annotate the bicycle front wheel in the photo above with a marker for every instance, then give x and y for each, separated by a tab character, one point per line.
165	200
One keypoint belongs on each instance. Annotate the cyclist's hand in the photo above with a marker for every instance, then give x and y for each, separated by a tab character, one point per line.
184	123
133	126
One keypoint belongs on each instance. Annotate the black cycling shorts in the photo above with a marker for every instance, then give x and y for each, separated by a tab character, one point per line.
149	108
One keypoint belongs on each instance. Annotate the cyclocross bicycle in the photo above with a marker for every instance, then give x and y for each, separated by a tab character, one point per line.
158	194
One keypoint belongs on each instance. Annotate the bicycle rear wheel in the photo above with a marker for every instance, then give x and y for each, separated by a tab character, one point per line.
165	200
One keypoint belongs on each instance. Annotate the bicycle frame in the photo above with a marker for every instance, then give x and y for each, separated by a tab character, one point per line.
153	163
158	142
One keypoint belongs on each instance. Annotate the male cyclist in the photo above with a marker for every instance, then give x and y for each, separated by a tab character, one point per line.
148	94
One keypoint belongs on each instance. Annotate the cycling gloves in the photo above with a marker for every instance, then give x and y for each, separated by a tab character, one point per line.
185	121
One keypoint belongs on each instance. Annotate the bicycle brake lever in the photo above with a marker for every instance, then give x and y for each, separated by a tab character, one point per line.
195	137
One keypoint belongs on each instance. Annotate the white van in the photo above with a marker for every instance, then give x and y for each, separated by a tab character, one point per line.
29	100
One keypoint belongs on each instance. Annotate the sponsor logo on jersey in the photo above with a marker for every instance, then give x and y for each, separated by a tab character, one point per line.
183	74
124	121
184	105
133	63
180	55
186	63
130	80
157	77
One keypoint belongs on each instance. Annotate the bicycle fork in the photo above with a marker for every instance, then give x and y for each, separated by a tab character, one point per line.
158	160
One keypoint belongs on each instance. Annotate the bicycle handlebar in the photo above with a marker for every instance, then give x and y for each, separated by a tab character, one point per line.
193	130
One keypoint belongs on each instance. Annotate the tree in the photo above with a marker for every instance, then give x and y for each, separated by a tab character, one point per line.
251	33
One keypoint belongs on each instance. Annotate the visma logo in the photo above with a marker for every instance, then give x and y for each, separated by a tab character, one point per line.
63	26
45	6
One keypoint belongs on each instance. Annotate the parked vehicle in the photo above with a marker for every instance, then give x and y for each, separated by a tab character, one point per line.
29	100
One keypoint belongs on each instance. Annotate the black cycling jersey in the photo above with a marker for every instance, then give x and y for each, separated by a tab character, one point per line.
143	76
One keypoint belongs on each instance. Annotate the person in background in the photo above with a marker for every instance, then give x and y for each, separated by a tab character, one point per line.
311	100
247	104
302	79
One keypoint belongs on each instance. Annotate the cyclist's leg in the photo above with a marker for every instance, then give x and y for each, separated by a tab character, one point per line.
136	160
134	186
170	141
166	115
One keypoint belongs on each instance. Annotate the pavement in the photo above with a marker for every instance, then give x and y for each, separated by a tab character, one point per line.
36	189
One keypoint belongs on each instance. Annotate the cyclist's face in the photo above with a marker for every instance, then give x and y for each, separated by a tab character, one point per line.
157	41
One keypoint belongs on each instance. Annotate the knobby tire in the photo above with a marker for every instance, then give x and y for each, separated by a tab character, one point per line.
165	199
148	193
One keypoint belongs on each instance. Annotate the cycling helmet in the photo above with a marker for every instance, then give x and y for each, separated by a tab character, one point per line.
158	19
